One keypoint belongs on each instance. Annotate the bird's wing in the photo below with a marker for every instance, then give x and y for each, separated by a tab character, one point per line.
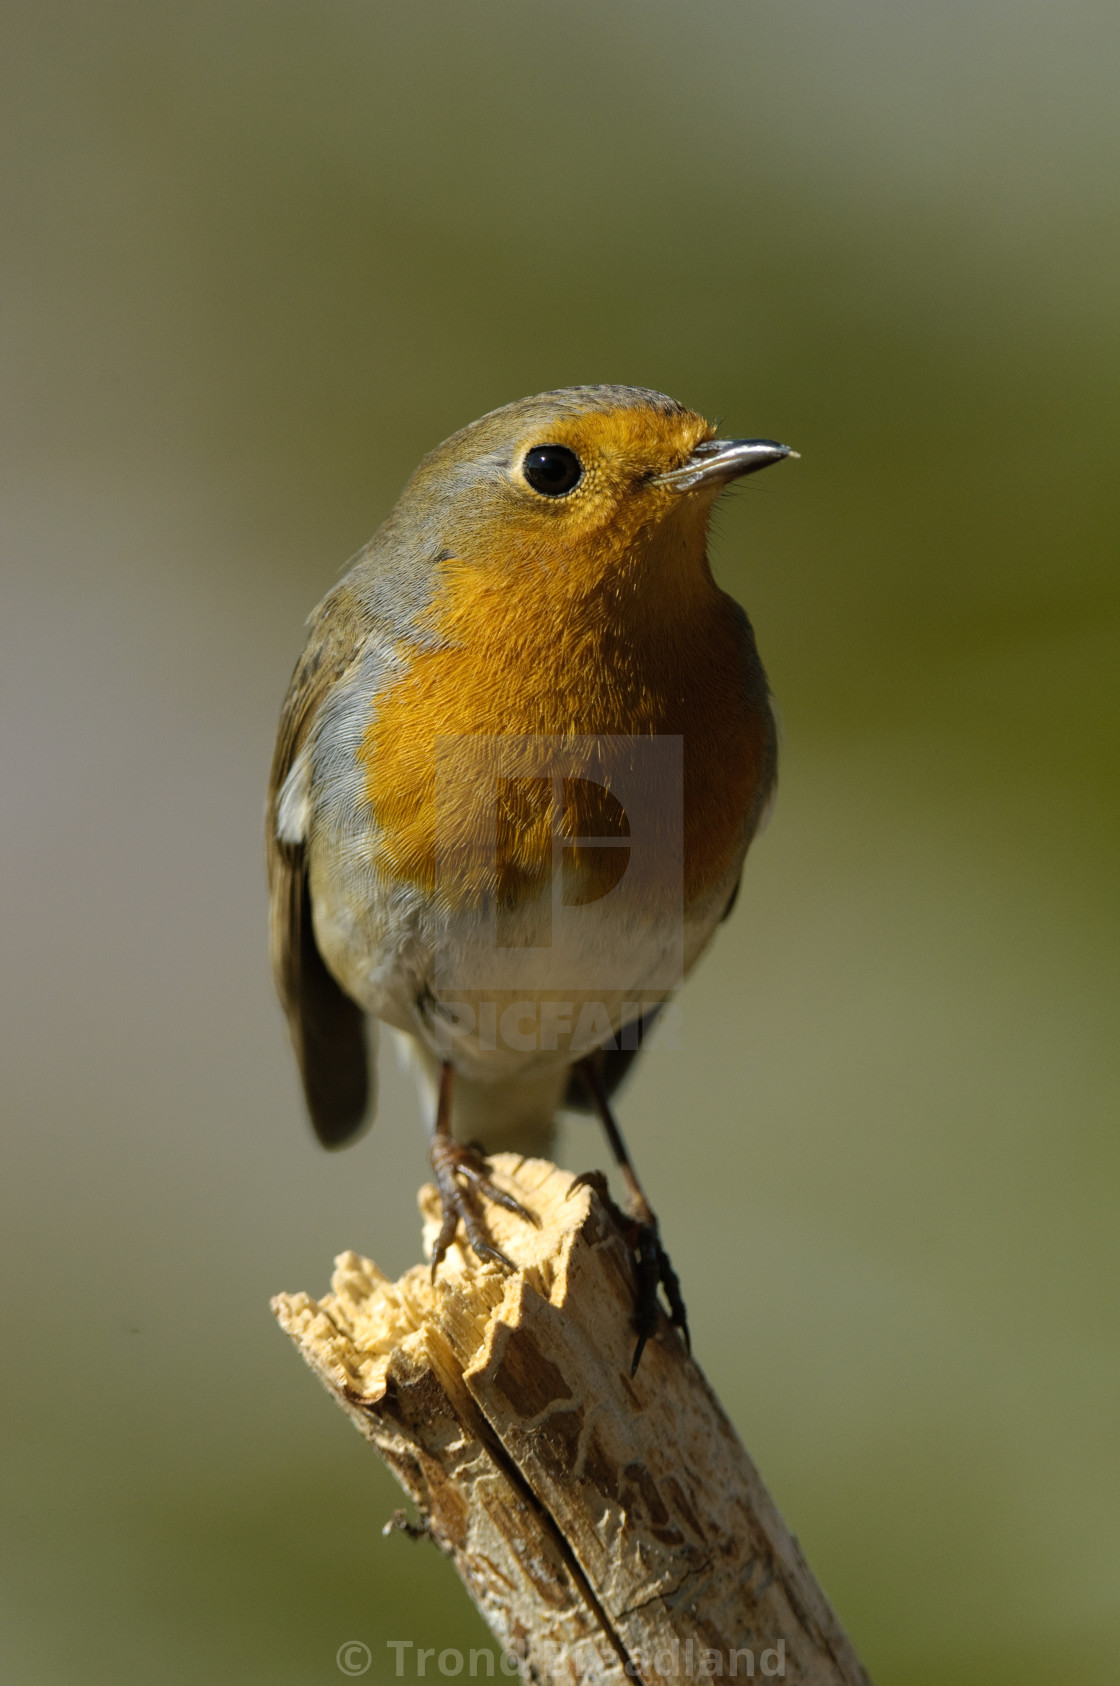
328	1029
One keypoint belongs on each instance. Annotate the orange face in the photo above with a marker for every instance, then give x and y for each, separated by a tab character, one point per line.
616	510
588	611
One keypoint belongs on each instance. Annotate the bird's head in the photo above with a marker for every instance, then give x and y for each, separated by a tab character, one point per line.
579	483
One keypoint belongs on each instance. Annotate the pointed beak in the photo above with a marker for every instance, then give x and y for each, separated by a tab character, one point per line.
717	461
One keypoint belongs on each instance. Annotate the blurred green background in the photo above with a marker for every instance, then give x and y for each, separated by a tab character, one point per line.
258	258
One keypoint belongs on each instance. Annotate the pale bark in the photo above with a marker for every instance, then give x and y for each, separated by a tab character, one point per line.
608	1528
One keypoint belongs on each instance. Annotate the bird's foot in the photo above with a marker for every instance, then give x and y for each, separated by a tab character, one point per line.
652	1263
462	1177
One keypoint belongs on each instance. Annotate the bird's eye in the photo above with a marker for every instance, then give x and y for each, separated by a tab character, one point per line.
552	469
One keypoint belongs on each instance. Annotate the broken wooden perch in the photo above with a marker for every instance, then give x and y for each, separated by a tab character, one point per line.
608	1528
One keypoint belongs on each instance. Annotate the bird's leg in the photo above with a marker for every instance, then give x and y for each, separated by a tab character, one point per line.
639	1226
462	1174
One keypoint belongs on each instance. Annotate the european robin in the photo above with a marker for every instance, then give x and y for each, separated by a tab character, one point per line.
518	768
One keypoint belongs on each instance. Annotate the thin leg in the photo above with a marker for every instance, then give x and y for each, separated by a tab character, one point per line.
452	1161
642	1234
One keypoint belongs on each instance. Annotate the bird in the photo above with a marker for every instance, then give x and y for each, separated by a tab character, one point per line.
518	769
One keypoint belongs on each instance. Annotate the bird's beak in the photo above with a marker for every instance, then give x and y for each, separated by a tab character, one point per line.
716	461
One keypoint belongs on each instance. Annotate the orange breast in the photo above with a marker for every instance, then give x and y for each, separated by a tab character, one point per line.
525	654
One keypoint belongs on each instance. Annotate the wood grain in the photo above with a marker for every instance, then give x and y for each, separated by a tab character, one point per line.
608	1528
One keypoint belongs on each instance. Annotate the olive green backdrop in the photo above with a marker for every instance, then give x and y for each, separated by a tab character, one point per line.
258	257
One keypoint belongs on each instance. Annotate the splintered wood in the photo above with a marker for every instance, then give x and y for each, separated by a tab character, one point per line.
608	1528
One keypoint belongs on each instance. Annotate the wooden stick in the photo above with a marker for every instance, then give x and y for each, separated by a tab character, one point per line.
607	1528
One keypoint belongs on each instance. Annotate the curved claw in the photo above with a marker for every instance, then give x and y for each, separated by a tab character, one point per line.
589	1179
480	1178
652	1265
671	1284
655	1270
450	1161
645	1305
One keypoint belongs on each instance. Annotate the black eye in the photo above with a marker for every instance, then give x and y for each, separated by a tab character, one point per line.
552	469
